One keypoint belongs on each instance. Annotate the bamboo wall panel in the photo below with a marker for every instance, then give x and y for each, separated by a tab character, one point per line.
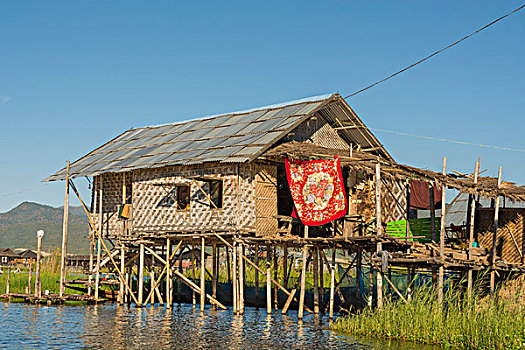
265	180
151	187
510	220
111	200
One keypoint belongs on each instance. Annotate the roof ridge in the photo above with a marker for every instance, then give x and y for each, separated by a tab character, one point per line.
310	99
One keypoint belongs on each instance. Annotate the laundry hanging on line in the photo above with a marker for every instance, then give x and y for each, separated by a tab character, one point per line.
317	190
420	195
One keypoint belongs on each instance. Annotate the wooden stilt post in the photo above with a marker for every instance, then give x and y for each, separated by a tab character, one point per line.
122	267
8	280
141	276
285	266
30	276
407	226
442	235
332	285
39	235
234	282
370	285
179	282
268	286
168	274
194	298
91	255
379	226
495	236
315	253
471	234
240	248
152	279
214	273
100	228
203	276
256	275
303	276
358	276
321	281
64	236
275	274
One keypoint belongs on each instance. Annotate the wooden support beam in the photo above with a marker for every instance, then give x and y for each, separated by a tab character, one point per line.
315	253
194	298
303	276
240	249
64	236
495	236
260	270
234	282
122	267
332	286
99	240
169	281
196	288
379	227
471	235
442	234
30	276
268	286
214	277
203	280
256	277
141	276
275	276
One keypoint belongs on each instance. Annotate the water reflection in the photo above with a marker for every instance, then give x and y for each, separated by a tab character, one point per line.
108	326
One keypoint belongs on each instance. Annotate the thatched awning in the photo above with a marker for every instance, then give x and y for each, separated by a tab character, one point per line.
366	162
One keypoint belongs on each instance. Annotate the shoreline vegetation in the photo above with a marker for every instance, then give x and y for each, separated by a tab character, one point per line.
478	322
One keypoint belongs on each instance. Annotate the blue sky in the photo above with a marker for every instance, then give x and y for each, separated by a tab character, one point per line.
75	74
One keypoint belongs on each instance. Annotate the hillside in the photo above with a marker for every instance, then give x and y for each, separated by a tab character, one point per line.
19	225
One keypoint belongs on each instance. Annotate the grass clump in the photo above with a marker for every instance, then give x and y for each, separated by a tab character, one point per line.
477	322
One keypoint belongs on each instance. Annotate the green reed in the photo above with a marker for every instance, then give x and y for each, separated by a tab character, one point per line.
478	322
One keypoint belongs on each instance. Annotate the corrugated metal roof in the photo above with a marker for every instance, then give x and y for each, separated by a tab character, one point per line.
230	138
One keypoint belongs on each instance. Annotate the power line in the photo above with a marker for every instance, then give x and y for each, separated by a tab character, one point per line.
437	52
450	141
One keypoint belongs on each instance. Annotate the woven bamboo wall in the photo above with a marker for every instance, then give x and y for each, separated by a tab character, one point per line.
112	184
265	180
149	216
511	220
393	200
318	132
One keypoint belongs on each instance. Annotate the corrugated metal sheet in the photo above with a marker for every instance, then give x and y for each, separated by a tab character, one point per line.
232	137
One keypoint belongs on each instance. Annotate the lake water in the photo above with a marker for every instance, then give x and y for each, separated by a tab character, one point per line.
108	326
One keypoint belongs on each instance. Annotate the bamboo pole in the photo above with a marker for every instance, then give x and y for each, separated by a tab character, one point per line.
168	274
234	282
30	276
442	235
39	235
256	275
100	227
359	258
179	284
194	298
152	284
315	253
141	276
8	280
268	288
214	271
275	274
285	266
321	279
203	281
64	236
303	276
196	288
379	226
240	247
495	236
471	234
122	267
332	286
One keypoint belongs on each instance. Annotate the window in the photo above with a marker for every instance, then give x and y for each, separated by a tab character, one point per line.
178	196
216	193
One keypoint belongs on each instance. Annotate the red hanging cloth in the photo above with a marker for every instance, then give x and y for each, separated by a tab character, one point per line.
317	190
420	195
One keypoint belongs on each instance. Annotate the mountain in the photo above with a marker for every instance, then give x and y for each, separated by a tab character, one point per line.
19	225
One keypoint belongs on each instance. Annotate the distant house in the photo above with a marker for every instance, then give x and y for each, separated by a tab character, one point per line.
77	260
7	256
25	256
